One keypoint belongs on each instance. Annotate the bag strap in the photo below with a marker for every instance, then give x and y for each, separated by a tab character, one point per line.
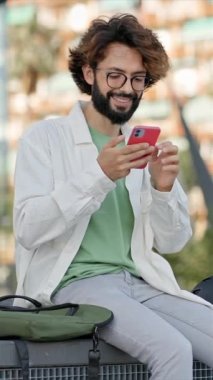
94	358
23	354
72	307
93	364
32	300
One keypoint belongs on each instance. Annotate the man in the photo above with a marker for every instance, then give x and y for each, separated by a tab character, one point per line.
88	222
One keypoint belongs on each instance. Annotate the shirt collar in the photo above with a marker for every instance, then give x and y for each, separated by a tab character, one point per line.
80	128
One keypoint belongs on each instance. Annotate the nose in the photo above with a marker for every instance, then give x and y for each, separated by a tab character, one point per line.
127	86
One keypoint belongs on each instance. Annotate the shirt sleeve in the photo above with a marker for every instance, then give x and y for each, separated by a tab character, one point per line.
44	209
170	219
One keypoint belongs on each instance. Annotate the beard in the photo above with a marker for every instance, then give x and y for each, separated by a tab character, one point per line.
102	105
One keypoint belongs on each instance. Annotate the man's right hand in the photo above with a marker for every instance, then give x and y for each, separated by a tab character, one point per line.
116	162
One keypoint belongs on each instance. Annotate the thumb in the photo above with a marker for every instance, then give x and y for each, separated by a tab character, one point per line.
115	141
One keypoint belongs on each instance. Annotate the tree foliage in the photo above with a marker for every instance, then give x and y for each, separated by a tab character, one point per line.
195	261
33	50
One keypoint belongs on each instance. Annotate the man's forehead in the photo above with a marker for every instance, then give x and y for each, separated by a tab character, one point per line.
118	49
117	53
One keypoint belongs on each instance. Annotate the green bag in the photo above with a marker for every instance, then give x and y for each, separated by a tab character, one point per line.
54	323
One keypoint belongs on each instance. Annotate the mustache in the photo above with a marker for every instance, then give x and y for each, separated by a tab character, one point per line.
123	94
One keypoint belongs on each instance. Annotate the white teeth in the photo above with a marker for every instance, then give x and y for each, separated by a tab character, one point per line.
122	99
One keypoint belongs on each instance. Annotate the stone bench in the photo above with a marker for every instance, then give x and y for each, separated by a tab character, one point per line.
68	361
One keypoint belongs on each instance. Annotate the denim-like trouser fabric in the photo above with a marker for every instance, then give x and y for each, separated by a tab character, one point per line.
158	329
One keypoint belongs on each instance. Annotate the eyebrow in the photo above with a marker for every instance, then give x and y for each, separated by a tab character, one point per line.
114	68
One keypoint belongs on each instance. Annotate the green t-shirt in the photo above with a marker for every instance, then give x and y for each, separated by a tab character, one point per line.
106	245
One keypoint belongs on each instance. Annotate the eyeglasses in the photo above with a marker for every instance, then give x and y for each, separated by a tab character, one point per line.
117	80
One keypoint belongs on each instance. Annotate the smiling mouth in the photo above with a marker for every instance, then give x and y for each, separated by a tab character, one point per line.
122	100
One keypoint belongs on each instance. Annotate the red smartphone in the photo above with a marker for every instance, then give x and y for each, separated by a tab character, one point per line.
146	134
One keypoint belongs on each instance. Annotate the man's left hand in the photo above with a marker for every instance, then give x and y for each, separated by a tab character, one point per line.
164	166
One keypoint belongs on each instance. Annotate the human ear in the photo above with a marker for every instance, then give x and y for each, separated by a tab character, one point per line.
88	74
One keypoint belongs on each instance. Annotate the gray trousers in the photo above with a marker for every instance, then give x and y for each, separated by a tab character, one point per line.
158	329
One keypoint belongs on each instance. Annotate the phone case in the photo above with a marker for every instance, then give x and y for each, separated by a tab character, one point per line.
144	134
141	134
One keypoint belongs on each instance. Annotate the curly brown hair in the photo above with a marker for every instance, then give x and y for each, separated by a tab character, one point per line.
125	29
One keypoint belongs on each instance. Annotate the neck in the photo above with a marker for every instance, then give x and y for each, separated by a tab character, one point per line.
99	122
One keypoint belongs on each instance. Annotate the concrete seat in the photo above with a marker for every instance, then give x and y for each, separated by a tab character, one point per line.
68	361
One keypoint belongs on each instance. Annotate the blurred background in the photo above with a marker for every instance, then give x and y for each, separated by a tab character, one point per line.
35	83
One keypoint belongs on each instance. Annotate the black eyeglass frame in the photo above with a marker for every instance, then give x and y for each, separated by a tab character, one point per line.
148	80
